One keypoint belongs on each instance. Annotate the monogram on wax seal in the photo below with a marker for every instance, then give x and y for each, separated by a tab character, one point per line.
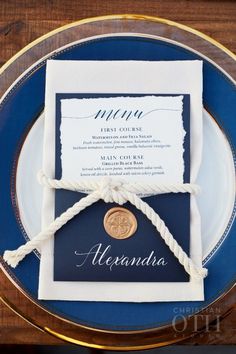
120	223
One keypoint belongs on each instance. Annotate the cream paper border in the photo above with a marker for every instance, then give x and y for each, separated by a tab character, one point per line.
88	76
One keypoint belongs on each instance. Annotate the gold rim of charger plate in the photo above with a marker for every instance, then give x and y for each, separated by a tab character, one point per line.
119	17
96	330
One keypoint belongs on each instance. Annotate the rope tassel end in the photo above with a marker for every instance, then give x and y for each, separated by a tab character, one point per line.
13	257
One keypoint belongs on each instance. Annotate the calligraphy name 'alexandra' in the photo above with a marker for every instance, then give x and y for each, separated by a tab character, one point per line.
97	256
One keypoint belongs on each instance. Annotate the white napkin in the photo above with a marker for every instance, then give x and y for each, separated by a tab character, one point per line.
169	77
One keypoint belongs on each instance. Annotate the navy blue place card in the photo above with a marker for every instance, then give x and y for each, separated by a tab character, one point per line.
117	135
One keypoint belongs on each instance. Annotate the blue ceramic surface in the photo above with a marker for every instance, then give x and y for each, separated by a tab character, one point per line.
19	110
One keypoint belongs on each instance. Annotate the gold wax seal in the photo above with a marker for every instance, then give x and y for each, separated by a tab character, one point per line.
120	223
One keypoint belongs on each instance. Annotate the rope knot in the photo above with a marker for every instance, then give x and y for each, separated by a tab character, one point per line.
112	190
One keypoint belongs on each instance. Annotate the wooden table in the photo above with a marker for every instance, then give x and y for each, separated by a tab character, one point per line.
23	21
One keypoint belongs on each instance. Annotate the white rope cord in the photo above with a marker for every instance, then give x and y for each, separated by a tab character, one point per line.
111	190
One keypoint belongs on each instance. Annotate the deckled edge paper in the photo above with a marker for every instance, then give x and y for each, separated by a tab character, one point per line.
180	77
81	135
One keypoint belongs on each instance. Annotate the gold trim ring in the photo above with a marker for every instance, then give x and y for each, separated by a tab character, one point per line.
118	17
92	337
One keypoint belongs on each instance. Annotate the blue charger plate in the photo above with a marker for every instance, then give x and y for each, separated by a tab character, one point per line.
19	110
